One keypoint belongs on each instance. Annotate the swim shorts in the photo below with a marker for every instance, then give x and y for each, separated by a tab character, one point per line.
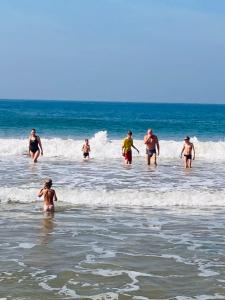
128	156
86	154
150	152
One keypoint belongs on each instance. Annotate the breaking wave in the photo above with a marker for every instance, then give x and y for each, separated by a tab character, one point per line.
120	198
104	148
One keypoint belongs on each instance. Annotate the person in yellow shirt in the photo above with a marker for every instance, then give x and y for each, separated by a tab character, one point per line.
126	148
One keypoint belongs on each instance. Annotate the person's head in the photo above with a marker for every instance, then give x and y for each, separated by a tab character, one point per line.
150	132
33	131
187	139
86	141
129	133
48	183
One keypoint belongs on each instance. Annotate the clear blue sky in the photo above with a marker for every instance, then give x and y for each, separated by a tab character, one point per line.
143	50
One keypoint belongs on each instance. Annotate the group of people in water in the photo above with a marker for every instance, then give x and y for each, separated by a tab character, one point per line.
152	151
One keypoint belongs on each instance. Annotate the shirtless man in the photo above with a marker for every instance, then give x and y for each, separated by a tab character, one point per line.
151	142
187	150
86	149
49	196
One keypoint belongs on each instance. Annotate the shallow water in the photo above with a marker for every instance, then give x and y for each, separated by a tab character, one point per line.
119	232
112	253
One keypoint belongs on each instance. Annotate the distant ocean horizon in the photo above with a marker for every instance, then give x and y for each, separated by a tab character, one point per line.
70	118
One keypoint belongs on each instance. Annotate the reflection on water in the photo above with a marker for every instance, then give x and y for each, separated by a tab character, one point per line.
47	227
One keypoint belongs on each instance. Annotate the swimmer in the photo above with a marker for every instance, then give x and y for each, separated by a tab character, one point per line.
35	146
126	148
187	150
86	149
49	196
152	144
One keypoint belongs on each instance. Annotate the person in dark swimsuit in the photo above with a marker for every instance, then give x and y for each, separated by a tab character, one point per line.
187	150
86	149
34	146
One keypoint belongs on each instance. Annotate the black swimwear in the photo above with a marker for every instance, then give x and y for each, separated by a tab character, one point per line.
150	152
86	154
34	145
188	156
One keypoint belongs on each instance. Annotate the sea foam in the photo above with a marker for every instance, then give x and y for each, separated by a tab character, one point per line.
119	198
104	148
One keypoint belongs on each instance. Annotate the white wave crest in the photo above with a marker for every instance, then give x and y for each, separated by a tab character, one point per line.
119	198
103	148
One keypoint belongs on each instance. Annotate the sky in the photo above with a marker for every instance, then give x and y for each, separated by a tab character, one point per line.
116	50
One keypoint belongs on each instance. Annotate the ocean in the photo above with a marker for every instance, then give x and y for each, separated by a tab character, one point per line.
119	232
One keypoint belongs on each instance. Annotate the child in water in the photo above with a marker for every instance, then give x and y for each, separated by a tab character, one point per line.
49	196
127	146
86	149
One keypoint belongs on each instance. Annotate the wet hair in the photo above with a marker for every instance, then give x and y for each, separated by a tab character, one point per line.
187	138
33	129
48	183
86	140
129	132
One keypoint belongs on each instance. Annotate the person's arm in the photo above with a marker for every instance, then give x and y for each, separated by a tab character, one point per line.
193	148
41	193
29	145
146	139
123	147
55	197
40	144
157	145
182	152
134	147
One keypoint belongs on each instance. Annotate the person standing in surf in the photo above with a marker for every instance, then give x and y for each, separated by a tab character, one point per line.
152	144
86	149
187	150
126	148
35	146
49	196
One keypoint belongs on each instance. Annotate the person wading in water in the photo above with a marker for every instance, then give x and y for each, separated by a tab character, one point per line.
35	146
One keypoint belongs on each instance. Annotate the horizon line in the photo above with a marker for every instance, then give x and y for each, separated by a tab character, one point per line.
113	101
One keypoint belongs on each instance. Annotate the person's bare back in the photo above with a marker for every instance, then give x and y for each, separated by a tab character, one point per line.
49	196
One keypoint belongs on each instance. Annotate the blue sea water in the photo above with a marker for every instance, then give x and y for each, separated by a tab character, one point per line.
119	232
83	119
